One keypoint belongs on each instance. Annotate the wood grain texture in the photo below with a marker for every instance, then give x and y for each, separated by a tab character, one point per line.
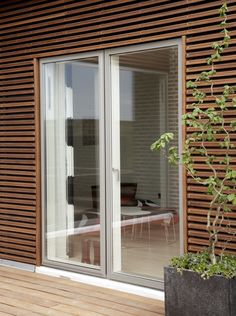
34	29
37	161
25	293
184	173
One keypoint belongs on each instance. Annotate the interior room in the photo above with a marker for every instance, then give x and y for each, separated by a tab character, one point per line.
147	211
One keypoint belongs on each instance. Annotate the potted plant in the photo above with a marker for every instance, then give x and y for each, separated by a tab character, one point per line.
201	284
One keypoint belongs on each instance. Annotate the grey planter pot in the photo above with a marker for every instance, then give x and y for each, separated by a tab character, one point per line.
189	295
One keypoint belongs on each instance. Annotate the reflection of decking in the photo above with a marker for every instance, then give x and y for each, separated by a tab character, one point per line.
26	293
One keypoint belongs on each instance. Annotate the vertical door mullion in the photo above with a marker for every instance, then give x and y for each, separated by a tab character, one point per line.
116	216
102	164
112	110
108	141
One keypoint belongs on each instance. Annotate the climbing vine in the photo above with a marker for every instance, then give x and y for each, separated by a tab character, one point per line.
210	127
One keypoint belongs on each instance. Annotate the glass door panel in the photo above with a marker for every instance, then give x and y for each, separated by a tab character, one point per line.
72	162
140	226
144	92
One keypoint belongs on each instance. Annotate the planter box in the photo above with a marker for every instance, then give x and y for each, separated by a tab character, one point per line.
188	294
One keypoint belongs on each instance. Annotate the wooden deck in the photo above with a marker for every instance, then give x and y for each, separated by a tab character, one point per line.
25	293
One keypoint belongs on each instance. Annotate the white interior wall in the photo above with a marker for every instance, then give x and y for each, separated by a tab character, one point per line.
172	115
145	128
150	120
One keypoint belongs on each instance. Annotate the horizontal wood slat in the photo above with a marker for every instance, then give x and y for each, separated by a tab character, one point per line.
21	236
198	48
38	28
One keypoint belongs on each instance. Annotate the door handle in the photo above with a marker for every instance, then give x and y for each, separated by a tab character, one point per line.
117	171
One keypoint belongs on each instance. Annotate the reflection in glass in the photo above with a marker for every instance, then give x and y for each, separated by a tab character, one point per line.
146	210
72	161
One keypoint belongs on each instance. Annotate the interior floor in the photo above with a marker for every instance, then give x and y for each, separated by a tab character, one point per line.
143	252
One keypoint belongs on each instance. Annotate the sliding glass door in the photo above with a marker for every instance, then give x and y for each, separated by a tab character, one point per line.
146	205
111	207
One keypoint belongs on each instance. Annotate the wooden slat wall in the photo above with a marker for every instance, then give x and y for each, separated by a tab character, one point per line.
40	28
197	50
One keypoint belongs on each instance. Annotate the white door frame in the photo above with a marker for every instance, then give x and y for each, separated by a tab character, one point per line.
108	169
111	153
77	267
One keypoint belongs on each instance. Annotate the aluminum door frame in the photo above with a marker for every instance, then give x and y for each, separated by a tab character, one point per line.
117	276
80	268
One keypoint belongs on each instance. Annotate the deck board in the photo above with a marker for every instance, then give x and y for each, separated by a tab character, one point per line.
26	293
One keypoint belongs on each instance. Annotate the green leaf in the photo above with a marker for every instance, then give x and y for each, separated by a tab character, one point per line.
223	23
216	45
191	85
223	10
233	125
231	197
173	157
162	141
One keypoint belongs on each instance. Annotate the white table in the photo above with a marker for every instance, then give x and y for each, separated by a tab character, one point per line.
138	217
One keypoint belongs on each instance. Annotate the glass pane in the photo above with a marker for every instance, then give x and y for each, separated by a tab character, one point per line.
72	162
146	194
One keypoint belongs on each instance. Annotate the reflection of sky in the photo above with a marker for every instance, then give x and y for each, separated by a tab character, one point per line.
83	78
126	95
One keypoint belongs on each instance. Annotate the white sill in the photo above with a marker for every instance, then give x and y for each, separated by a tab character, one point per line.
109	284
